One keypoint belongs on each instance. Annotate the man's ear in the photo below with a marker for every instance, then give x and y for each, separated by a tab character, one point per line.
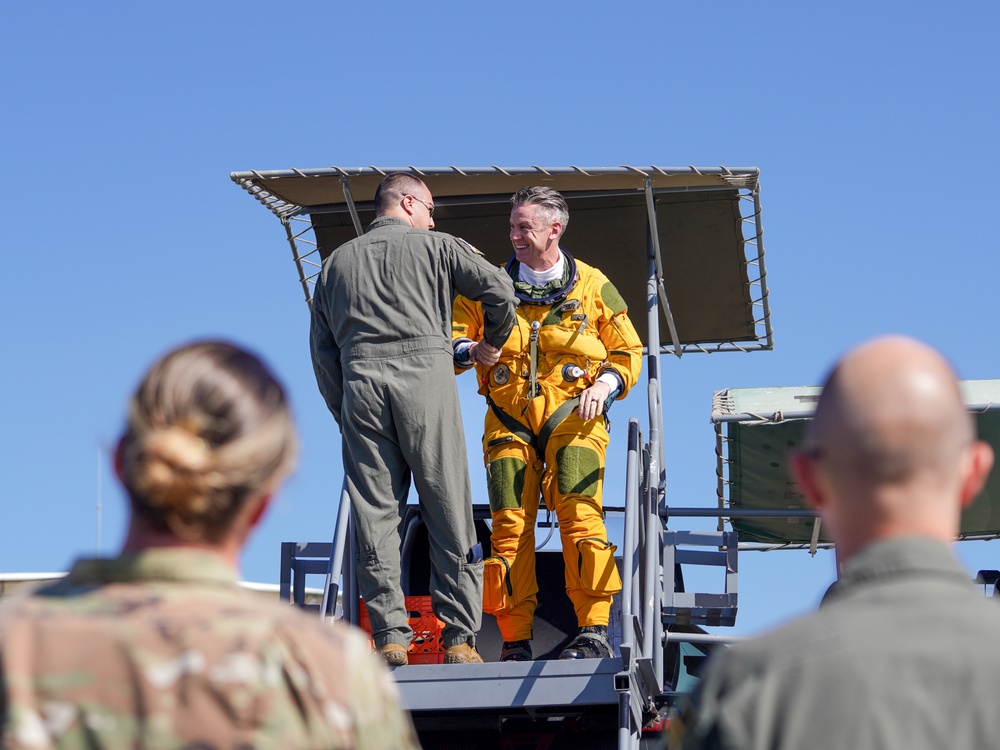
804	473
976	466
555	230
119	460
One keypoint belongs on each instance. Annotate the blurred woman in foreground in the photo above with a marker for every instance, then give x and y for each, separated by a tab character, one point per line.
160	647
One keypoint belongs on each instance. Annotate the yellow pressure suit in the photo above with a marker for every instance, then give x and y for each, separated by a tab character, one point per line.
536	444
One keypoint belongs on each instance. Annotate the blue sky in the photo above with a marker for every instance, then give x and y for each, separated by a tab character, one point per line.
874	126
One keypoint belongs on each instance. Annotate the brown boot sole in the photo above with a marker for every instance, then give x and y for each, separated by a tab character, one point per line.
395	657
464	656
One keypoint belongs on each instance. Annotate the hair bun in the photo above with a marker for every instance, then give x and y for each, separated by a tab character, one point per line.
174	474
208	429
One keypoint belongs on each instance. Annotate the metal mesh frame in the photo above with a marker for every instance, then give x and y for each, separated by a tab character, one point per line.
298	231
723	464
753	248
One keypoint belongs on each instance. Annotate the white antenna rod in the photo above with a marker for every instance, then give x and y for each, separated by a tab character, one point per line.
100	505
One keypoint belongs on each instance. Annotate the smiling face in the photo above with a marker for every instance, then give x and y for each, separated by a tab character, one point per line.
535	236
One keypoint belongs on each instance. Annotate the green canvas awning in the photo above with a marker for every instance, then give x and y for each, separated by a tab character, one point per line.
756	428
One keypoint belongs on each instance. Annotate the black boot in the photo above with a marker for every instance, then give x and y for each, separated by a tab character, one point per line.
591	643
516	651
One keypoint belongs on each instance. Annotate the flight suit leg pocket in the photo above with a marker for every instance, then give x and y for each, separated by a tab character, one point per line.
596	569
498	586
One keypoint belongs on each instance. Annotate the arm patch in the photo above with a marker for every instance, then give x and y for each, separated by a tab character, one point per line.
468	246
613	299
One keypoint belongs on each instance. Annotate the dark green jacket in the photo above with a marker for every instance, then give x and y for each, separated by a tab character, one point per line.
902	654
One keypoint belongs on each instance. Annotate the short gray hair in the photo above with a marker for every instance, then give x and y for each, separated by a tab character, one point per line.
551	202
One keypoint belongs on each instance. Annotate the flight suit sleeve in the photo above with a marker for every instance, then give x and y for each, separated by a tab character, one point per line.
325	354
477	279
466	326
618	335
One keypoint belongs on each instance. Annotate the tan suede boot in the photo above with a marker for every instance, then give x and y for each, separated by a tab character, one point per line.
394	654
462	653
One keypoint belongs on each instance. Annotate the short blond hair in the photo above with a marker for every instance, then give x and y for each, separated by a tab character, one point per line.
208	429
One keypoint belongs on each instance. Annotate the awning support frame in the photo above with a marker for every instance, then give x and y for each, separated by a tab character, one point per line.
654	238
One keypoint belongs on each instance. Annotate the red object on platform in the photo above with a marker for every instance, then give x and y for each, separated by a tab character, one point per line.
427	646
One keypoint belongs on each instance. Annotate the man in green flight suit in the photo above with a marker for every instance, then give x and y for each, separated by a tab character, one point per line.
381	349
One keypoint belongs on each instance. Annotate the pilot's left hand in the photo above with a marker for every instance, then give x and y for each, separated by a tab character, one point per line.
592	400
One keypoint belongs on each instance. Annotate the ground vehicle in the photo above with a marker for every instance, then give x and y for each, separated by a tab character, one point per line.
715	299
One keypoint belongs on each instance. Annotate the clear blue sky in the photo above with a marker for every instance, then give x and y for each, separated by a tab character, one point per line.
874	126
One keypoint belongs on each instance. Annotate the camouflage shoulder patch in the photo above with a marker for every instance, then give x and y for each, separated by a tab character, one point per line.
470	247
613	299
553	318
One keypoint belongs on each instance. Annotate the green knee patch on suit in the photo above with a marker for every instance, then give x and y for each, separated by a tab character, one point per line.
505	483
579	470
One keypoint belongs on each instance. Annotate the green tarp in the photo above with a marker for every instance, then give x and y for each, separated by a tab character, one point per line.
758	474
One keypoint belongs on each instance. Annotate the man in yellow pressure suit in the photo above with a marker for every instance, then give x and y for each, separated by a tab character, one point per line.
572	352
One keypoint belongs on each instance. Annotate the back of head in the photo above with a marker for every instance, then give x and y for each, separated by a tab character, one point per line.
550	201
208	429
890	439
392	189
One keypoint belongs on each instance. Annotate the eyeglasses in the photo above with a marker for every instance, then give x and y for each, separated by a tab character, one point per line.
427	205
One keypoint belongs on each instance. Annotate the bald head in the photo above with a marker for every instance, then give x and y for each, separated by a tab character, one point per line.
891	449
890	412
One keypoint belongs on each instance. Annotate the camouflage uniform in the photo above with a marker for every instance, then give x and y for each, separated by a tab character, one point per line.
163	649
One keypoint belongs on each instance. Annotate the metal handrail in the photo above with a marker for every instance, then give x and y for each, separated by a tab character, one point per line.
335	568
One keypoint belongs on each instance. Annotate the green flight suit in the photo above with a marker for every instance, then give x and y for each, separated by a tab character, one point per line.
381	349
902	655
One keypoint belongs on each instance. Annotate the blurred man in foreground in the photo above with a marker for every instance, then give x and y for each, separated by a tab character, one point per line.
902	653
